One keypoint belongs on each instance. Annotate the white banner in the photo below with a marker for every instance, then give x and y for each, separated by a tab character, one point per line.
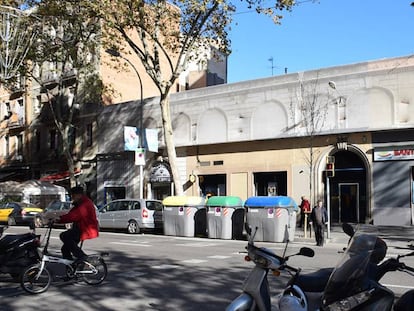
152	139
131	138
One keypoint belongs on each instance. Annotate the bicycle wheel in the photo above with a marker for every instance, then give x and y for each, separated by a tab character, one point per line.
35	282
94	270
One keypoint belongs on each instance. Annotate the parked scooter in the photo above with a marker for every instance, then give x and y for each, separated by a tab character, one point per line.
256	294
18	251
354	283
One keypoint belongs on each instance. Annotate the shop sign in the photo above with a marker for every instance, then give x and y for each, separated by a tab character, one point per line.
394	153
113	184
160	173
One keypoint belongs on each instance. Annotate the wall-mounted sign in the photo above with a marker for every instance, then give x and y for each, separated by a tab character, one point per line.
394	153
160	173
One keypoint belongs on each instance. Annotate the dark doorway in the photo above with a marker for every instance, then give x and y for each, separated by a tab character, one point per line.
348	186
348	202
212	185
114	193
270	183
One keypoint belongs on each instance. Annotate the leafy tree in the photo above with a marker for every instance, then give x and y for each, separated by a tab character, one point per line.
63	62
173	32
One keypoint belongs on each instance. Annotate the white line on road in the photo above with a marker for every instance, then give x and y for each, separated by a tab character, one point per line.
196	244
218	257
165	267
194	261
131	244
398	286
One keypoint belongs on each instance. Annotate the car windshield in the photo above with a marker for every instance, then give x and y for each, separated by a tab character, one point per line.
54	206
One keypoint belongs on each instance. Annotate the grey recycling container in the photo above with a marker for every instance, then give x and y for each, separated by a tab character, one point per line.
225	217
274	217
185	216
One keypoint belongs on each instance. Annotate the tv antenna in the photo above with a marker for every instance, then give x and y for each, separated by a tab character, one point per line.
272	65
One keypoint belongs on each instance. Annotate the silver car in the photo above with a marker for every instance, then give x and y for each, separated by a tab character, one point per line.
134	215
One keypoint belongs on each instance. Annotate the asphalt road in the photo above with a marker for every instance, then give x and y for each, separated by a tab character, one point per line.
155	272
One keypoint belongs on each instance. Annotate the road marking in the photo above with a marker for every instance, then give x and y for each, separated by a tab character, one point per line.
218	257
198	244
131	244
194	261
165	267
398	286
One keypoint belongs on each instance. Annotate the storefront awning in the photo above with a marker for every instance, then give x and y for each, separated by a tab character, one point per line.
60	176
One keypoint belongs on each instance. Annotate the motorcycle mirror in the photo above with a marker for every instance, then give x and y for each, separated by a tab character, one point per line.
307	252
348	229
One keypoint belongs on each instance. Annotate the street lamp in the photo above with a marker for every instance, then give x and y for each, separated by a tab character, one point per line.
116	53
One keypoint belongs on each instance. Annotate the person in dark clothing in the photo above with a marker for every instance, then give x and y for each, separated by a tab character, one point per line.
318	218
85	225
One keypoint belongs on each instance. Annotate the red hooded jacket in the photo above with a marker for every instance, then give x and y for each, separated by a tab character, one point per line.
84	215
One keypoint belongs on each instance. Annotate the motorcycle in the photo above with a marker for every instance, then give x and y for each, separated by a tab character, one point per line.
256	293
18	251
354	283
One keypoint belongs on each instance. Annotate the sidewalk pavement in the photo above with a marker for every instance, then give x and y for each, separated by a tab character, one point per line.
391	234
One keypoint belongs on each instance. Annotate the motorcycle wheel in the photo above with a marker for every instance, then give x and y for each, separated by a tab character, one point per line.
34	282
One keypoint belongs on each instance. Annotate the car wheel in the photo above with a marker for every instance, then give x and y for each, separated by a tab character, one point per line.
133	227
11	221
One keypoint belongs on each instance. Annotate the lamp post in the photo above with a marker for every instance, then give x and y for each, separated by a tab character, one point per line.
116	53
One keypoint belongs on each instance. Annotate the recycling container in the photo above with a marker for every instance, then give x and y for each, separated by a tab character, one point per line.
274	217
225	217
185	216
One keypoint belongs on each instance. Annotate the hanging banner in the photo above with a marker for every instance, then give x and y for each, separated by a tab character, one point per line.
152	139
131	138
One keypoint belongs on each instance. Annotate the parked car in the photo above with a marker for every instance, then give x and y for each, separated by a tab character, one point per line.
134	215
18	212
52	211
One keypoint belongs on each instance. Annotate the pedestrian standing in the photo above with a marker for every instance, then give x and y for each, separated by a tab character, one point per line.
304	208
319	218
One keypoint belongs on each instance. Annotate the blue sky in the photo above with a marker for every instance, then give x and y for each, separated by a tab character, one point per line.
319	35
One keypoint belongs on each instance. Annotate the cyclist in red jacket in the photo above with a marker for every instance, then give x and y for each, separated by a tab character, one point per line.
85	224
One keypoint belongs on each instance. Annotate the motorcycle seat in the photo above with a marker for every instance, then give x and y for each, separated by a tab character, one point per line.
314	281
10	239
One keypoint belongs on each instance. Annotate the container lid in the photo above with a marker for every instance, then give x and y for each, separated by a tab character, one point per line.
183	201
277	201
225	201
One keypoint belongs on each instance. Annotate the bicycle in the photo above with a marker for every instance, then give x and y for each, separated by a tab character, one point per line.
36	278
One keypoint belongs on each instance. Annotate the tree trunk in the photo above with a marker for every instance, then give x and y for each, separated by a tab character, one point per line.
169	143
68	155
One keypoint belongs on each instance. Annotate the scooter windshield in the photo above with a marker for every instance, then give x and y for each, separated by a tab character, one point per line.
350	276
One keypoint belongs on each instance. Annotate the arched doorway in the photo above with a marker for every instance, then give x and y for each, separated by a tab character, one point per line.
348	188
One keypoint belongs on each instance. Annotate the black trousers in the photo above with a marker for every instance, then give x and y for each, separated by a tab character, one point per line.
71	239
319	234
